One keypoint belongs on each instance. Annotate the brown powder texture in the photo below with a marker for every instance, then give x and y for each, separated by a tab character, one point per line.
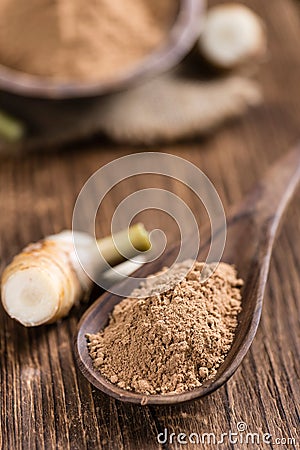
81	40
170	342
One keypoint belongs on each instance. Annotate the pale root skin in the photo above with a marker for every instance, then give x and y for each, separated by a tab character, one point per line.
45	280
40	285
233	35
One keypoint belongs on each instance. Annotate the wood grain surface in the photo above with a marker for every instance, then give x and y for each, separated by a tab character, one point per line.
44	400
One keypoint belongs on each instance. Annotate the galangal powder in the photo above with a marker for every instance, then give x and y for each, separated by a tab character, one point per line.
173	341
80	40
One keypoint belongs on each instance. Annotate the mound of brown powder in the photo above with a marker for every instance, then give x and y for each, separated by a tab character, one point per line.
173	341
79	39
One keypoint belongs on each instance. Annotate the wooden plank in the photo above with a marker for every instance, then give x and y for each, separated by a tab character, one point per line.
44	401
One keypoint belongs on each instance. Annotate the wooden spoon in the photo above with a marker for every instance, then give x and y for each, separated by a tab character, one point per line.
251	229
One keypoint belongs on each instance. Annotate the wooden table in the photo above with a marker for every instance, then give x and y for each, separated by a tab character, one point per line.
44	400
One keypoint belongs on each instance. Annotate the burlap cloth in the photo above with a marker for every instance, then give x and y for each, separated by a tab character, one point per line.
170	107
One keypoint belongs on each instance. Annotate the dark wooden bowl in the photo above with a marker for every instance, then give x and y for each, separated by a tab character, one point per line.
181	38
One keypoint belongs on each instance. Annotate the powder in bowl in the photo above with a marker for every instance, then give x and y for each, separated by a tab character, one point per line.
81	40
173	341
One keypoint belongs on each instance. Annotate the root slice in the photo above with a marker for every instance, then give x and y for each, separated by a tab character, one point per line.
232	35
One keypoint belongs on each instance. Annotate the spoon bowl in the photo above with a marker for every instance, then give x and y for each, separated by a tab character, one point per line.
251	230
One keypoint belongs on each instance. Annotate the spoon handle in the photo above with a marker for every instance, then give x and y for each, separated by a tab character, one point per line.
269	199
